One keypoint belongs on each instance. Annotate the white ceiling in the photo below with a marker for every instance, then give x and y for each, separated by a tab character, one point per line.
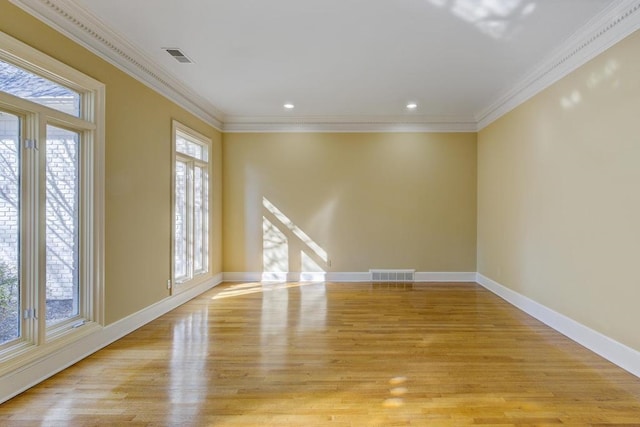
344	62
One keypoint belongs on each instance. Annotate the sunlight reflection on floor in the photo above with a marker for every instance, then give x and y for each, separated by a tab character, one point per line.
397	392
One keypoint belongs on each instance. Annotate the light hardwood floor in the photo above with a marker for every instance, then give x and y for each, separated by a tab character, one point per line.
337	355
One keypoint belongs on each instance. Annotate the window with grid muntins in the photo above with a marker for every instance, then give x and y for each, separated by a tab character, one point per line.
51	191
191	236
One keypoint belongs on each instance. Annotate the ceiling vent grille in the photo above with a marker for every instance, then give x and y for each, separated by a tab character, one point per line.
178	55
392	276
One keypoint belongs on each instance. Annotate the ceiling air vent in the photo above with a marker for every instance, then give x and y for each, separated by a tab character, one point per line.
178	55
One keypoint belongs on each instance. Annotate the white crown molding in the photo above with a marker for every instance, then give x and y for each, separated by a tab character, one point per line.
84	28
349	124
608	28
615	352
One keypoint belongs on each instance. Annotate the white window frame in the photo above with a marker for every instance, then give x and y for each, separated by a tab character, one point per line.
194	278
37	340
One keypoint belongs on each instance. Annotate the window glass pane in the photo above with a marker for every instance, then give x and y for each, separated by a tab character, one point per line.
61	208
198	220
181	232
205	220
190	148
29	86
9	227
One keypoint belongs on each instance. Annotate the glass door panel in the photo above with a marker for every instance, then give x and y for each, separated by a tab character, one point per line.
181	245
199	220
10	321
62	224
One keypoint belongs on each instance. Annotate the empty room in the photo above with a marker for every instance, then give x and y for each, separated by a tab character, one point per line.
319	213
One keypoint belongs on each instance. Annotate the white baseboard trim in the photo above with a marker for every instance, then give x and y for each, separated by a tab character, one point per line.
344	276
615	352
360	276
241	277
444	276
296	277
15	382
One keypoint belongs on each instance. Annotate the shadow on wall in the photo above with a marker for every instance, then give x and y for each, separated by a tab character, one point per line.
286	248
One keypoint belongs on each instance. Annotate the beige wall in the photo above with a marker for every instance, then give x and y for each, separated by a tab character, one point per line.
559	195
138	170
368	200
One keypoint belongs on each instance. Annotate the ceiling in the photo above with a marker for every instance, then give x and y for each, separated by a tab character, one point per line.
345	64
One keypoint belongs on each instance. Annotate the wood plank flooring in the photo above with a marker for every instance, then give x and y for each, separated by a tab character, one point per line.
301	354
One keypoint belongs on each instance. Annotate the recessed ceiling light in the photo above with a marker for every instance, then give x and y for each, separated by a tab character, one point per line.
412	106
289	106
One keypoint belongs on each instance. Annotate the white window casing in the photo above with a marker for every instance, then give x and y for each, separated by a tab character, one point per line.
191	237
36	338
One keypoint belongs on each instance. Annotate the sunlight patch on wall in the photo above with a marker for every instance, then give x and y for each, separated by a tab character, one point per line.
571	100
295	229
606	78
606	74
286	248
310	270
275	251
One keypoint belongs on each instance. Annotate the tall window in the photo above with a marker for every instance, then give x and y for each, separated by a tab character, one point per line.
51	190
191	206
